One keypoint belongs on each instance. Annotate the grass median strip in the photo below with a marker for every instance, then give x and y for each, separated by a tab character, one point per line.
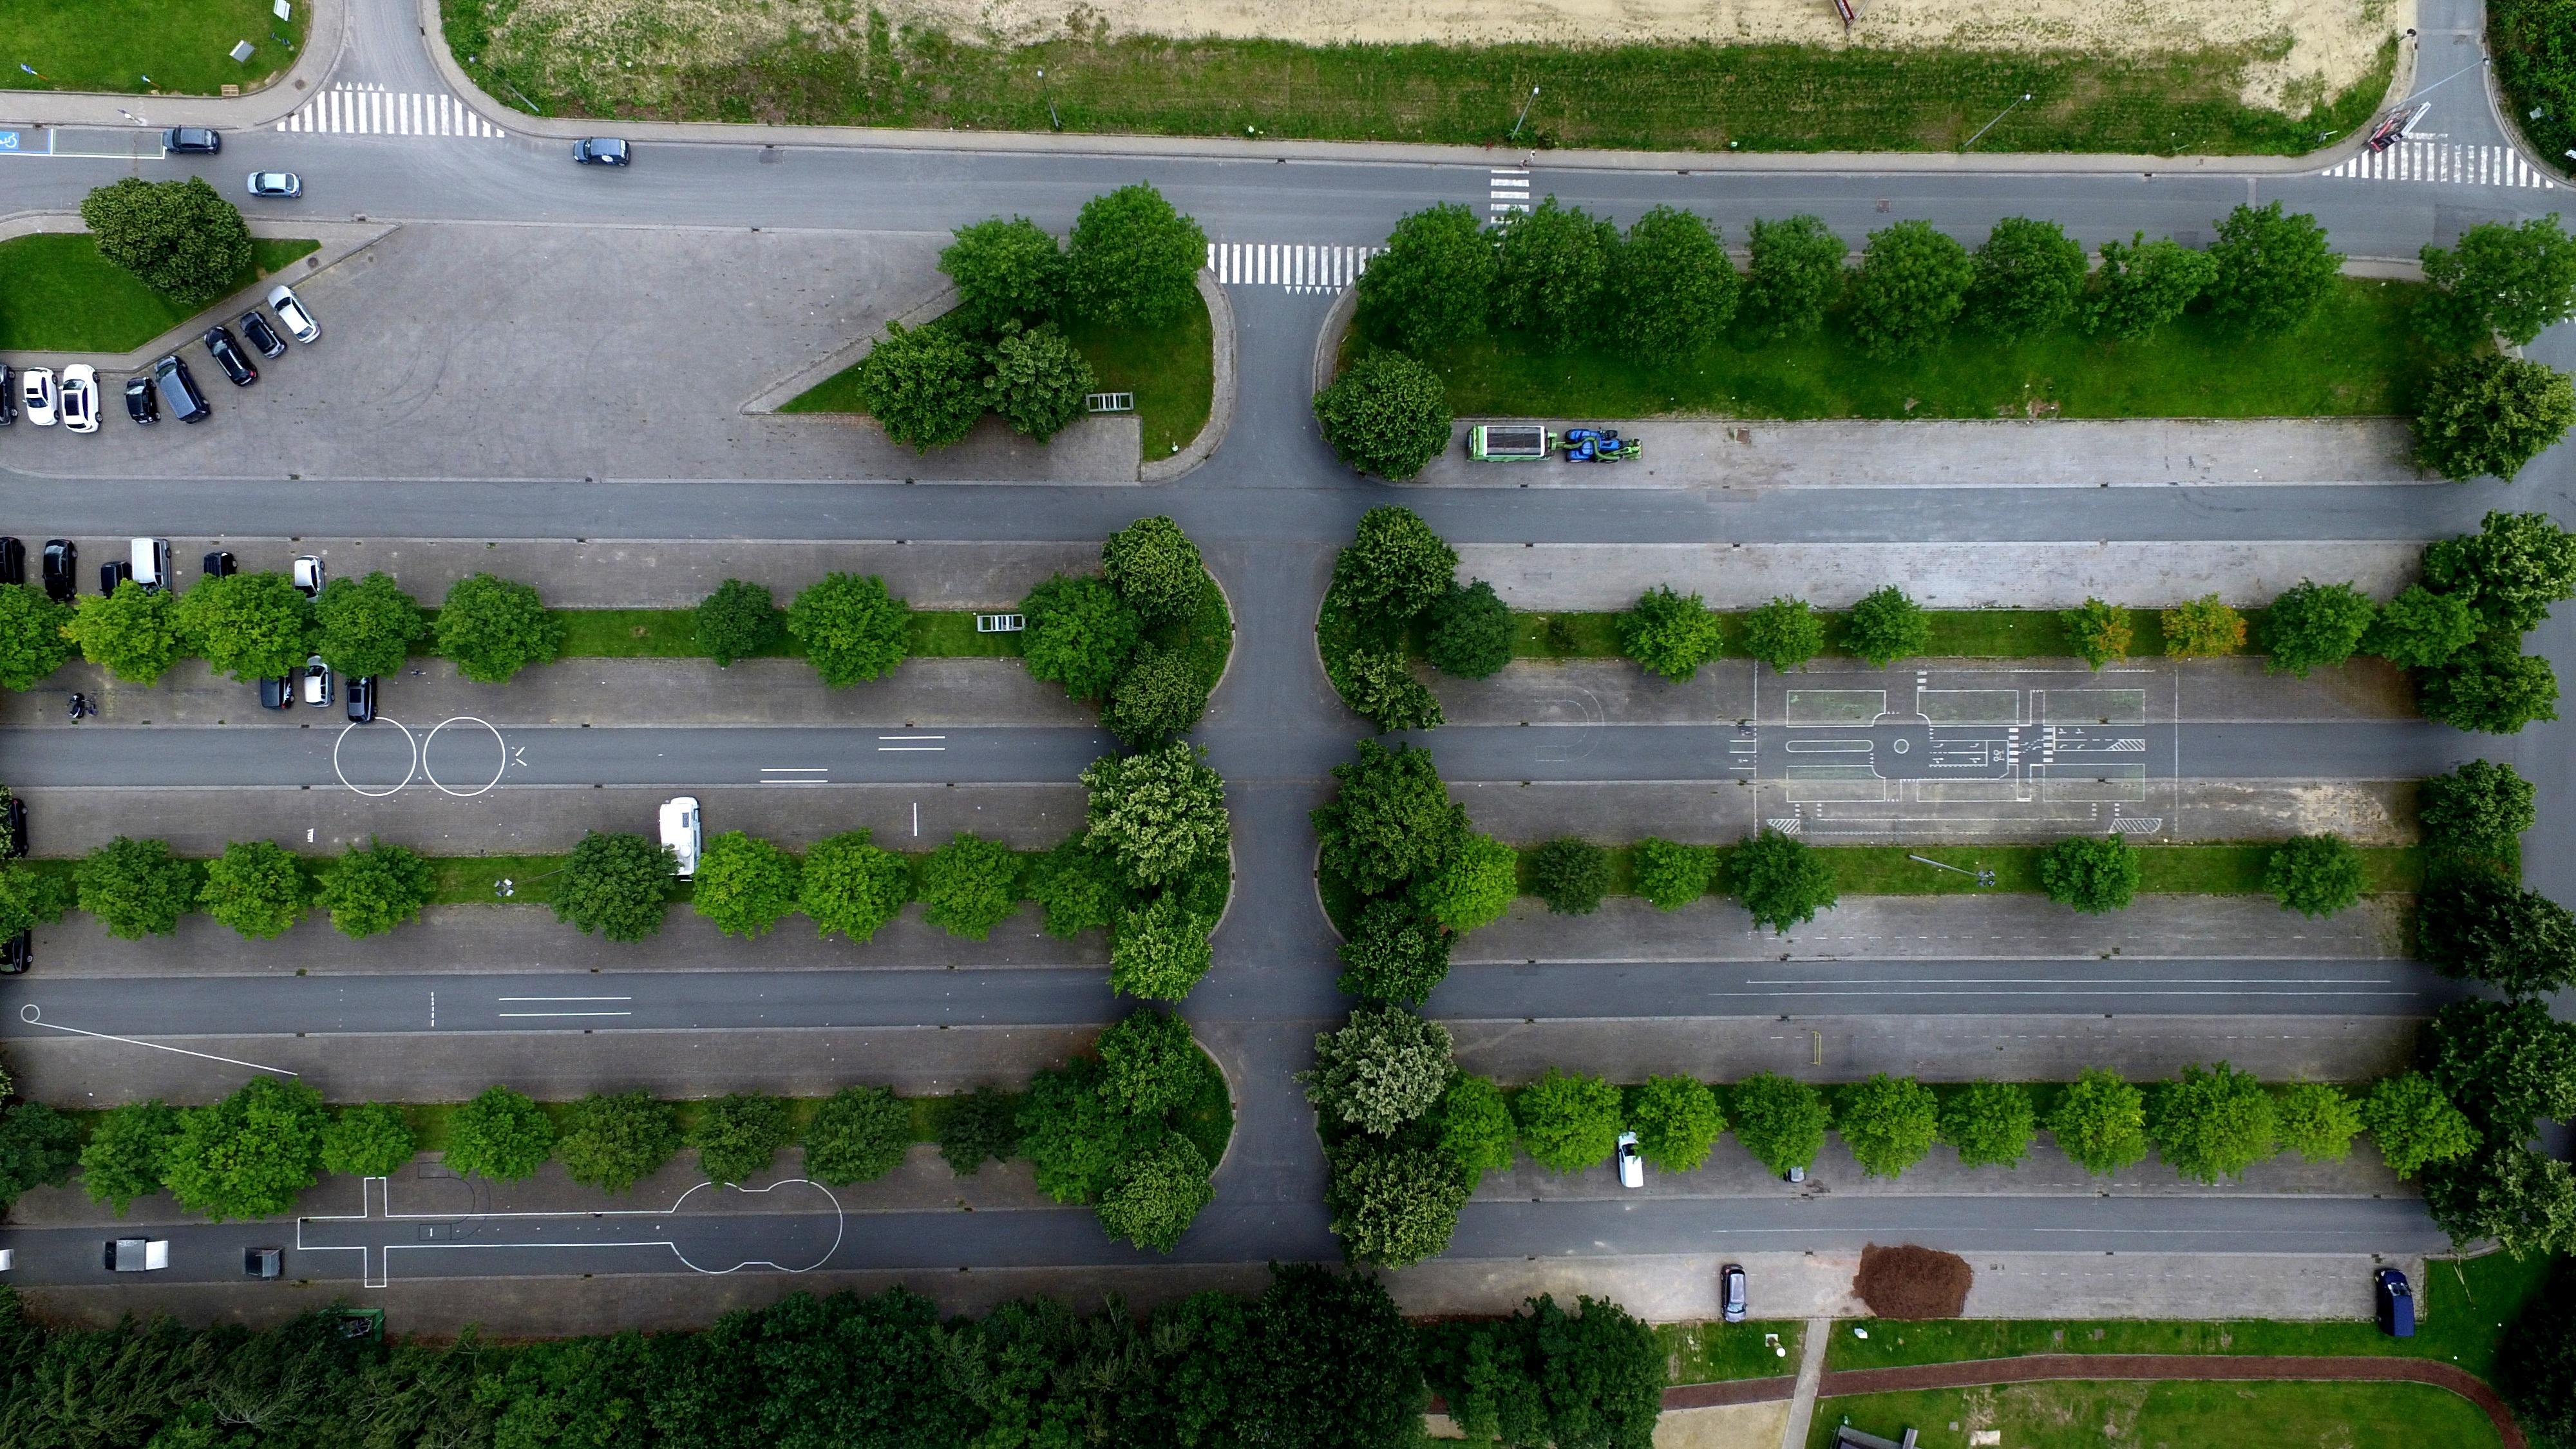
1955	634
673	634
2192	870
65	297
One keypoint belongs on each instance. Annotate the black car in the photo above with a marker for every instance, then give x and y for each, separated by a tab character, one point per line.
8	396
277	693
2395	1300
602	151
196	139
141	403
178	388
362	699
17	953
262	1262
13	561
112	574
228	355
219	564
62	565
13	819
256	330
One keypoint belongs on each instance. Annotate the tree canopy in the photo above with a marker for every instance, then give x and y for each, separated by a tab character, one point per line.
492	628
1386	414
616	885
851	627
180	238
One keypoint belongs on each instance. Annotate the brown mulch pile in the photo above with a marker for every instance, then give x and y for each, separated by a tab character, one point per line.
1912	1282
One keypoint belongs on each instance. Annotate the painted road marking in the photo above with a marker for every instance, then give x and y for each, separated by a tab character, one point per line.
2456	164
540	1000
795	775
374	1222
1298	267
908	744
1508	190
361	109
33	1017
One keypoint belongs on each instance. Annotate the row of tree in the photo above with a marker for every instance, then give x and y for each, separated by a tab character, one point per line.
1395	586
1131	261
1146	639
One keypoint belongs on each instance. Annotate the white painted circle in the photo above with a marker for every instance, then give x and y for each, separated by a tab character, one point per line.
408	738
29	1013
497	771
1903	745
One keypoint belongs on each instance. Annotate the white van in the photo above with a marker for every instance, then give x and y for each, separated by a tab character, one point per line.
680	832
151	560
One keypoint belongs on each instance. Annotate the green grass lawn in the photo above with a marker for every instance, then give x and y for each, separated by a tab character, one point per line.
2358	356
673	634
1712	97
1956	634
57	294
1708	1353
2171	1415
2198	870
184	46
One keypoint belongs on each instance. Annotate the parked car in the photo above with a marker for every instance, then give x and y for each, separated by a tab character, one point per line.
141	403
309	575
263	1263
13	561
112	573
36	390
8	396
17	954
149	562
137	1255
362	699
277	184
13	819
680	832
601	151
317	681
277	693
1730	1292
262	337
228	355
218	563
178	389
80	398
1632	1164
62	570
196	140
290	311
2396	1299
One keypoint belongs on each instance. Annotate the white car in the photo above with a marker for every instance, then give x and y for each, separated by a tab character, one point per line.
309	575
36	390
680	832
137	1255
317	681
80	398
1632	1166
148	559
299	323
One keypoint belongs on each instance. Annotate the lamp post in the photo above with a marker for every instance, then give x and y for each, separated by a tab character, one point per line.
1990	125
1043	89
1524	115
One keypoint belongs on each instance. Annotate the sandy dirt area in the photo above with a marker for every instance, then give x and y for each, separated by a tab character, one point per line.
2312	49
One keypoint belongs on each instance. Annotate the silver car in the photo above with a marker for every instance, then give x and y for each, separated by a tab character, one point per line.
290	312
284	185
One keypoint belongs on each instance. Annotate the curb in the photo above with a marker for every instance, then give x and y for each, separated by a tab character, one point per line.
323	41
1328	340
788	388
340	240
1220	401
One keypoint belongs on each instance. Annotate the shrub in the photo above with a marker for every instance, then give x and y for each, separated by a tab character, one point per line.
1385	1068
1159	950
1474	886
1160	815
126	1152
1887	1122
2099	631
1887	626
983	1124
371	890
2101	1122
1912	284
1389	822
923	385
1155	568
2500	281
1672	282
1038	382
2420	629
180	238
738	1136
969	886
1434	283
616	884
1005	271
1471	632
1133	260
2415	1125
256	888
1795	269
1569	1121
2315	875
2480	809
851	886
1670	634
132	633
1476	1128
2491	686
2202	628
1989	1124
1677	1122
1379	686
1570	875
366	626
1161	694
2145	284
852	629
2212	1123
1386	414
1672	876
1079	634
2487	414
32	642
740	620
248	1155
492	628
2028	275
368	1139
617	1140
744	884
501	1134
136	888
2092	873
1392	1205
2273	271
1156	1194
1555	263
2316	1121
858	1134
1780	1121
1394	953
2315	624
1780	880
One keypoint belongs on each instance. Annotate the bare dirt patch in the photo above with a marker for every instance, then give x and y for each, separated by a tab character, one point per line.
1912	1282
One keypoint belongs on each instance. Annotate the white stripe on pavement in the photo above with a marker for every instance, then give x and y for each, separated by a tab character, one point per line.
360	109
2445	162
1296	267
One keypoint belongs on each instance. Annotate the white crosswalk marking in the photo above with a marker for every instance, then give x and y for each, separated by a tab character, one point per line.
1299	268
2439	162
360	109
1508	191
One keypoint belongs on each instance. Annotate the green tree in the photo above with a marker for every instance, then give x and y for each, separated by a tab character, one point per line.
1339	1364
2414	1124
2028	275
923	385
367	1139
2491	686
983	1124
2508	281
39	1147
1159	696
744	884
1379	686
372	889
1911	286
32	642
1474	884
256	888
2315	875
250	626
1393	1205
1435	281
1989	1124
1795	270
1672	283
29	899
179	238
1394	953
1670	634
2273	270
1005	272
1784	633
1394	567
1780	1121
1079	888
2202	628
1038	381
616	884
1887	1122
1677	1121
1386	414
366	626
852	629
132	633
737	621
1549	1377
1569	1120
851	886
616	1140
127	1152
492	628
1555	265
970	885
1886	626
2420	629
2490	414
1570	875
1075	1137
2480	809
2313	624
248	1155
1155	568
1780	879
1475	1125
738	1136
2486	928
1671	876
2094	874
2145	284
1383	1069
1132	260
2099	631
2212	1123
1471	632
2507	1064
1390	822
2523	1200
2536	1360
500	1134
2101	1122
1079	634
858	1134
2316	1120
136	888
1148	1063
2511	570
1159	950
1160	815
1156	1195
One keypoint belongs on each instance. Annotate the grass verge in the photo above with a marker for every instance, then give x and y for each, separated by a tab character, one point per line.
176	47
1708	1353
1956	634
57	294
2189	870
2260	1415
673	634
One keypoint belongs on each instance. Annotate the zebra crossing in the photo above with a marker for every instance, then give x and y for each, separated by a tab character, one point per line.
1297	267
1507	191
2457	164
361	109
